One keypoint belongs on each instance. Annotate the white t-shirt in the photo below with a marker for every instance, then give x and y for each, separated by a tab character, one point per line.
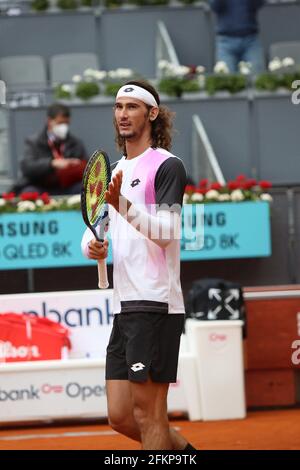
147	276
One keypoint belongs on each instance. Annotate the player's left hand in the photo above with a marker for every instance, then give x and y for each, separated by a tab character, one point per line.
112	195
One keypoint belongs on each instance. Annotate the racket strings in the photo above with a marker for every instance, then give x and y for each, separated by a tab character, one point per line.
96	185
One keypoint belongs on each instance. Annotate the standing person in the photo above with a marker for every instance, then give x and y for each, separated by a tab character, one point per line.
54	160
237	37
145	197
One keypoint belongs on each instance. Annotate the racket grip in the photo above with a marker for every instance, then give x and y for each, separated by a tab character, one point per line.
102	274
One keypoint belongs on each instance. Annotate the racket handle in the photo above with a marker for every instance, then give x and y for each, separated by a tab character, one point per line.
102	274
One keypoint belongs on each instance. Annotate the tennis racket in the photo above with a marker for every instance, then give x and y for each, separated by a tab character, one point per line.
94	209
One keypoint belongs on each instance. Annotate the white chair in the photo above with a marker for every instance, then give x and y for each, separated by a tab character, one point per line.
64	66
23	73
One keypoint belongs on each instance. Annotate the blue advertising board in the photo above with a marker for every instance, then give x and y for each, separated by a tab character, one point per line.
41	240
226	230
210	231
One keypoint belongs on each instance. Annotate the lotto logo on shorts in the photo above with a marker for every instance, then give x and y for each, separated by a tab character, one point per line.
138	366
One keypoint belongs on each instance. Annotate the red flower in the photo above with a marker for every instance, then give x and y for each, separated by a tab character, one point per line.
193	69
265	184
233	185
216	186
249	184
203	183
8	196
240	178
30	196
201	191
45	198
190	189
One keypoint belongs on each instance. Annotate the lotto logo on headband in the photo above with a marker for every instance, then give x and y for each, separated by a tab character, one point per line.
128	90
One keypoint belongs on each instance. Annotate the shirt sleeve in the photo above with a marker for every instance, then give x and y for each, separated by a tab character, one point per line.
170	182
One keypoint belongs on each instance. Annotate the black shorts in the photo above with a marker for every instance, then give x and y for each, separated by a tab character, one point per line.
143	345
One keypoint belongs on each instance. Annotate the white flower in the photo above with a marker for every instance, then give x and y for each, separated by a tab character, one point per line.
245	67
100	74
176	70
288	62
212	194
221	67
92	74
266	197
197	197
171	70
26	206
124	73
224	197
183	70
53	204
112	74
185	198
76	78
74	200
66	88
200	69
163	64
275	64
89	73
168	68
39	203
2	202
180	70
237	195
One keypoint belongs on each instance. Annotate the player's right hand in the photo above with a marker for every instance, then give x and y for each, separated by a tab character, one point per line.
98	250
113	193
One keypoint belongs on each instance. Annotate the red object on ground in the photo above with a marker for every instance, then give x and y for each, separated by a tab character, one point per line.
26	337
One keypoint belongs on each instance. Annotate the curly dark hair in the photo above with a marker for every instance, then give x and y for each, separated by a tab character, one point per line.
162	126
56	109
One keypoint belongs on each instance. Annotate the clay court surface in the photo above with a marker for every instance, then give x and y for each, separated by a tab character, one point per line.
278	429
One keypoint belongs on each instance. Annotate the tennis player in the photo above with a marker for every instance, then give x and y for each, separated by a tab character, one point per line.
145	197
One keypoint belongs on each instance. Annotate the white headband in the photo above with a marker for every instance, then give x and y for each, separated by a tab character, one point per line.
137	92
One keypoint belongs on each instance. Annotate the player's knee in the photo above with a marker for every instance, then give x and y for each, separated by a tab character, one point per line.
118	421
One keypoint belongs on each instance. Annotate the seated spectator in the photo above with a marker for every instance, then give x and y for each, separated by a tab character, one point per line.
237	37
54	160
